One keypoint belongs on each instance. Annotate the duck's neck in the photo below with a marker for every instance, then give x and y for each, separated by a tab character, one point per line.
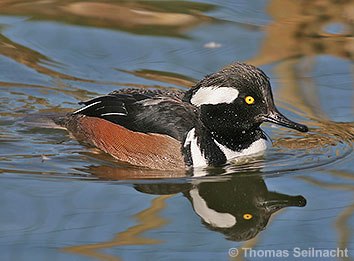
205	147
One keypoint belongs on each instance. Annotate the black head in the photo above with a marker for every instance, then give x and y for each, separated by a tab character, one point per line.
238	97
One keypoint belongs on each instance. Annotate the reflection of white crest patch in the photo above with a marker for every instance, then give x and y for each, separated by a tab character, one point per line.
209	215
197	156
214	95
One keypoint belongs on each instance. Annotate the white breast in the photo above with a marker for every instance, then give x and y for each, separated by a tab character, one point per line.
197	156
199	160
256	147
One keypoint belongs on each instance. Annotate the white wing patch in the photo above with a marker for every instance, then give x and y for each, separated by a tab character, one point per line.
197	156
88	106
209	215
114	113
214	95
256	147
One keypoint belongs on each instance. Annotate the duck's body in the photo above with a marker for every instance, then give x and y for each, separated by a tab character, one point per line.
216	120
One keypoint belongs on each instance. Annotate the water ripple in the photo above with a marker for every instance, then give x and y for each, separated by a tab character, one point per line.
327	143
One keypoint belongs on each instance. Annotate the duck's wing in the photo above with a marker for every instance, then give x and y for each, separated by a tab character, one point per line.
146	111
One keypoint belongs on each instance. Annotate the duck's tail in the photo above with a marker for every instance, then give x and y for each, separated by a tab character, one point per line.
51	120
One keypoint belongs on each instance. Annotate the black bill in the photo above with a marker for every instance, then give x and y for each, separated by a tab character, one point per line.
276	117
276	201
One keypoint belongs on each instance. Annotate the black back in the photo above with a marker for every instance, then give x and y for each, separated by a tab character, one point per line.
144	110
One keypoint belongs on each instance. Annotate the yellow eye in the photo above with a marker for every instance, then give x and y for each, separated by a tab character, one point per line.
249	100
247	216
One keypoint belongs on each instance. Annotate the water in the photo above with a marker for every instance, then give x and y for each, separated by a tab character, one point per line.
62	200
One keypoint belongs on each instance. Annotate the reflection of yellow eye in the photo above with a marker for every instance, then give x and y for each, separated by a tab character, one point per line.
249	100
247	216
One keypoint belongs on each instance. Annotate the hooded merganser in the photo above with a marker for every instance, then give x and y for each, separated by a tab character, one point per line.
216	120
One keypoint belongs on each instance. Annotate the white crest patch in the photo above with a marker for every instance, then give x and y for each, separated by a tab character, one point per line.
209	215
214	95
197	156
256	147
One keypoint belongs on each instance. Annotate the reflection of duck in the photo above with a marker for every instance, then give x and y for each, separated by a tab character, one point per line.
239	207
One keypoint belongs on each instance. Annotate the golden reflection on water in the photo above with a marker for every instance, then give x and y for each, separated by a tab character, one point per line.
301	30
31	58
167	77
35	60
148	219
141	17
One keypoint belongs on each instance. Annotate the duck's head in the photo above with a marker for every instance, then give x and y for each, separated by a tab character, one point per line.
238	97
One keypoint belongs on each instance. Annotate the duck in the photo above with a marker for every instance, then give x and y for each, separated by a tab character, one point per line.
213	122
